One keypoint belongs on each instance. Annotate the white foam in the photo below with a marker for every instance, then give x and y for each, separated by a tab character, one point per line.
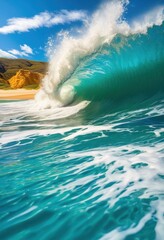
100	28
148	20
67	94
158	132
160	216
128	181
120	235
26	114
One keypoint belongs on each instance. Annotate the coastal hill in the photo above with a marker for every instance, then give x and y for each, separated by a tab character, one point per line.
13	67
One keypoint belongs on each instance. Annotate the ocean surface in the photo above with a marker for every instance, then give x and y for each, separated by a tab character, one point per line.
85	159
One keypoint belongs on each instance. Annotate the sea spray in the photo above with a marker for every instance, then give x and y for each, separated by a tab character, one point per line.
94	169
74	52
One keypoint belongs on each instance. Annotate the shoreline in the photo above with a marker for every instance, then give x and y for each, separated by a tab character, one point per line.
17	94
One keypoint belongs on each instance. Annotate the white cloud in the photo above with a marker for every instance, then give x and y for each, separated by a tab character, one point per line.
14	53
18	53
5	54
27	49
44	19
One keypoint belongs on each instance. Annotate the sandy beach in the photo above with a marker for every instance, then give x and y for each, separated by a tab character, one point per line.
18	94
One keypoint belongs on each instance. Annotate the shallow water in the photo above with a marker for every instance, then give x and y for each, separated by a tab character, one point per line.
82	176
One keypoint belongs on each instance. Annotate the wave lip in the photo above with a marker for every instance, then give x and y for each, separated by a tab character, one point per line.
97	37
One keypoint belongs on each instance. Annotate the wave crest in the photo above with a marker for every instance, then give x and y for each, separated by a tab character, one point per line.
73	52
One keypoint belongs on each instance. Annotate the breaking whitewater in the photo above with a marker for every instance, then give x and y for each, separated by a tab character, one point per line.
84	160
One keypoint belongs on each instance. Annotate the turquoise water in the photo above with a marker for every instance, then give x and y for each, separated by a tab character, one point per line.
93	169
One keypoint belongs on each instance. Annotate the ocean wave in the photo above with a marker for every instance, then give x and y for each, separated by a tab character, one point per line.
107	50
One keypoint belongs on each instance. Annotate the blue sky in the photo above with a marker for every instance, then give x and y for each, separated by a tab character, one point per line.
26	26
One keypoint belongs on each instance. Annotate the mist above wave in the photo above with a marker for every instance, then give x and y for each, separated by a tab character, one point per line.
98	30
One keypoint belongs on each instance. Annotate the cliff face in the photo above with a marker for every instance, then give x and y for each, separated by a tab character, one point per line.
25	78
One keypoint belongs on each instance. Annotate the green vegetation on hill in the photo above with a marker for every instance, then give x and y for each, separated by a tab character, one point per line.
9	68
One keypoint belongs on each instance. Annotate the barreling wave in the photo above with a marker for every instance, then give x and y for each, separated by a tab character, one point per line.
109	59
